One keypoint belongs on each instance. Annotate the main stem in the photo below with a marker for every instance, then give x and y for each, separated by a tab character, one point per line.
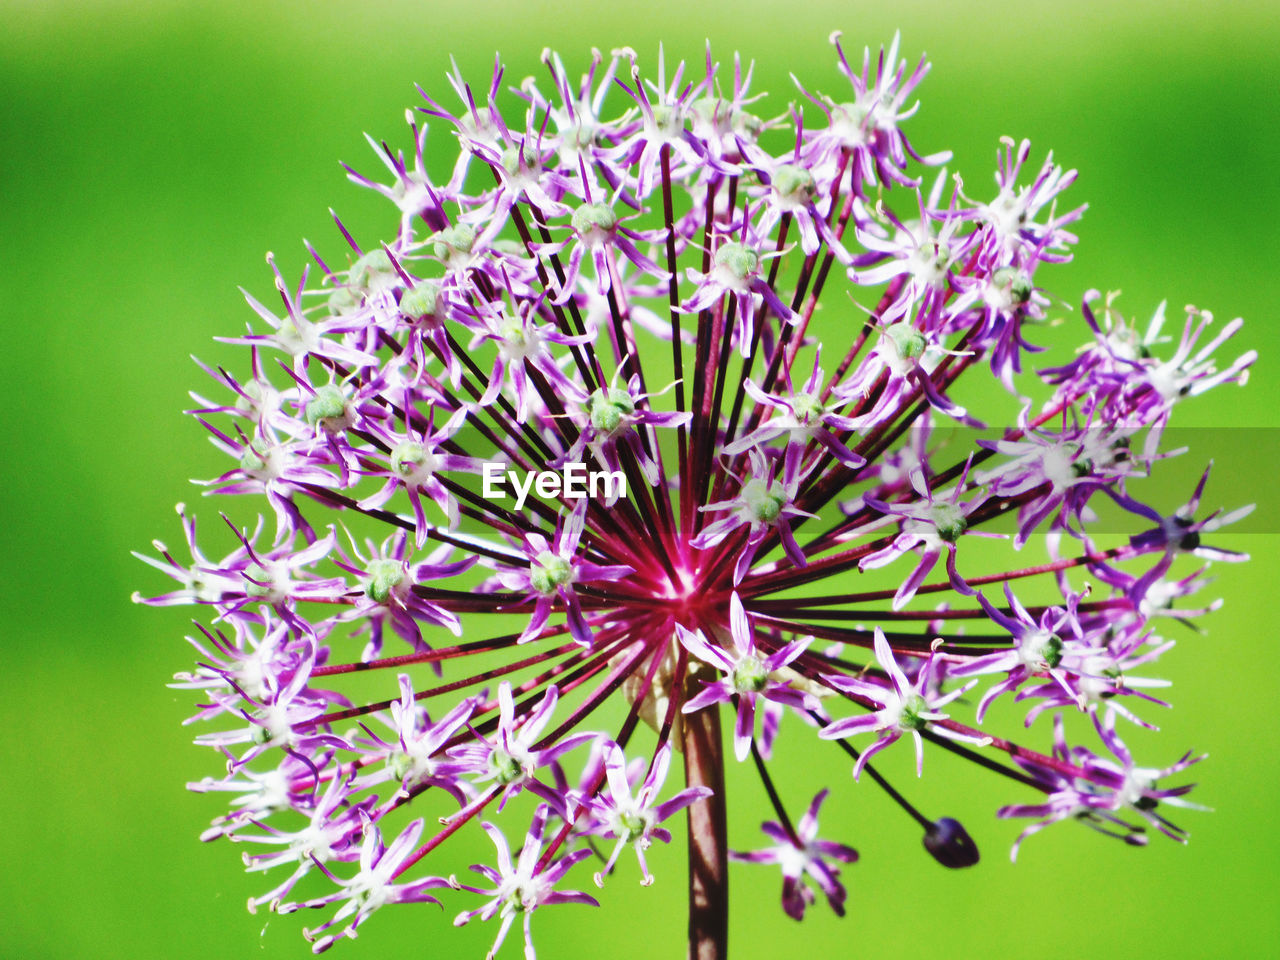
708	845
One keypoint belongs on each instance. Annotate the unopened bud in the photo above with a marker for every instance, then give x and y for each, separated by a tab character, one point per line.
949	844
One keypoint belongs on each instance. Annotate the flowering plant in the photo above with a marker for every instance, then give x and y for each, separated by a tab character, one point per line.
626	271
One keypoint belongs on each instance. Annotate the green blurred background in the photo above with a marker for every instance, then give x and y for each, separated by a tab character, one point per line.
153	151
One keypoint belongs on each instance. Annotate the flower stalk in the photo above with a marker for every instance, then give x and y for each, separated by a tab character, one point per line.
708	841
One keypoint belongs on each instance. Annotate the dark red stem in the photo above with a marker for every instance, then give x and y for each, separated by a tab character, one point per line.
708	845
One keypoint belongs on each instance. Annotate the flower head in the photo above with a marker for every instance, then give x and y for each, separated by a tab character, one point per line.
649	276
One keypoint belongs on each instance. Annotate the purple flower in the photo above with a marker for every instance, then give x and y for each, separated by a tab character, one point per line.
658	279
801	854
613	416
869	126
332	833
1109	797
738	270
632	819
763	504
554	568
748	676
1039	648
388	576
522	887
916	252
416	462
900	706
803	417
929	526
513	756
371	887
415	757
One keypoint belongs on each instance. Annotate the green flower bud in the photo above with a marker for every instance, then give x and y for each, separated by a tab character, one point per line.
328	404
906	339
504	766
411	460
254	457
709	108
948	520
256	572
580	136
794	183
737	259
633	827
459	238
594	218
254	392
749	676
912	707
1051	652
938	255
511	248
366	269
420	302
407	457
666	119
715	113
548	572
807	408
847	114
512	332
383	577
344	299
609	412
747	125
399	764
511	159
1018	283
764	502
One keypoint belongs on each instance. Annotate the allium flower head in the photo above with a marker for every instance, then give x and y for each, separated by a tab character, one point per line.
598	429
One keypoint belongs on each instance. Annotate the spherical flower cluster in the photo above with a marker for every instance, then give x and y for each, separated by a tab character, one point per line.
622	273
